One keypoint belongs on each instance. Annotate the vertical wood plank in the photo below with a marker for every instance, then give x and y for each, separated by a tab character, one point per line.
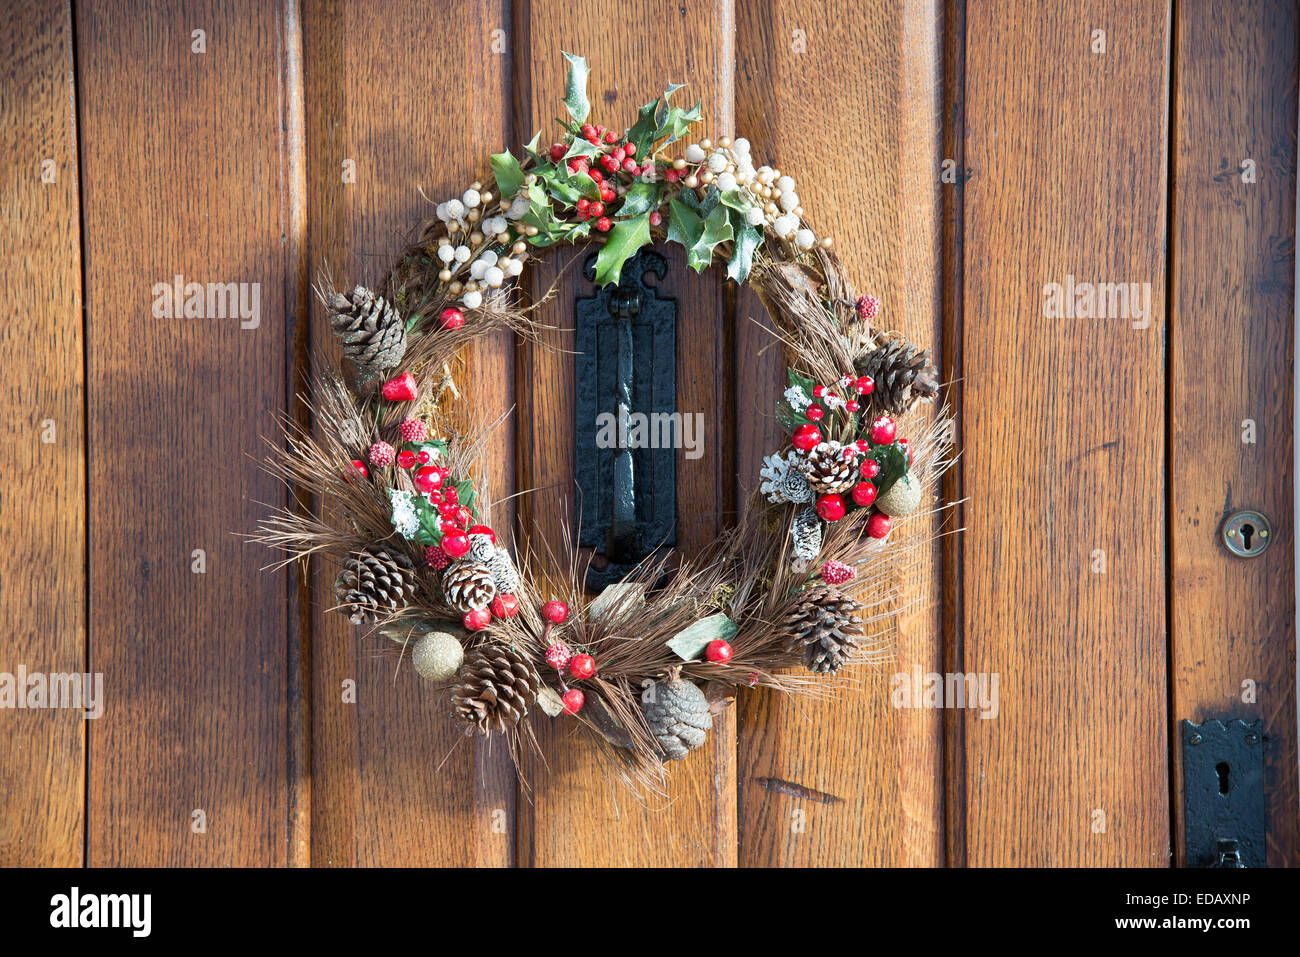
414	98
1231	348
633	56
1064	439
182	171
846	95
42	501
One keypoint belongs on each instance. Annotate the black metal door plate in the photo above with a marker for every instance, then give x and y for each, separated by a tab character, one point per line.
1223	793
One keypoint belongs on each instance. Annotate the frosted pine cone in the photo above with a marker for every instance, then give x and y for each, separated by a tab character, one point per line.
372	332
823	629
783	481
806	533
467	585
504	574
679	716
830	467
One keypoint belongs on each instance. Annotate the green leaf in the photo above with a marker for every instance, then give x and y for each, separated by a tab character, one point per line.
642	132
738	199
412	322
532	145
627	236
684	226
675	123
742	253
712	196
581	146
689	643
430	532
465	495
641	198
575	88
509	177
892	459
717	229
665	101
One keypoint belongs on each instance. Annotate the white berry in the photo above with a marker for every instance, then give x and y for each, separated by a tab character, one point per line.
789	201
754	215
455	209
805	239
494	276
471	198
726	182
446	253
785	184
472	300
462	253
694	154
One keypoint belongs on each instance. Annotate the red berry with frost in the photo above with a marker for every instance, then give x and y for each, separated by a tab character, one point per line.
878	525
451	318
867	307
656	218
864	493
483	530
455	545
806	437
360	466
837	573
611	137
819	391
436	558
555	611
883	430
865	385
558	655
718	651
870	469
427	479
477	620
573	700
505	605
853	406
401	388
582	666
381	454
413	430
830	507
815	412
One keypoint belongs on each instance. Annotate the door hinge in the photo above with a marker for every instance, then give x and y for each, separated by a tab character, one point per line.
1223	793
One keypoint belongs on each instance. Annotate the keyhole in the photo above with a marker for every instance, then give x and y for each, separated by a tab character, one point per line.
1222	769
1247	533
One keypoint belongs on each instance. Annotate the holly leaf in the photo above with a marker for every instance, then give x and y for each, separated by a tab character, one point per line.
684	226
641	198
575	88
465	496
892	459
717	229
689	643
712	196
642	132
531	147
430	531
676	122
742	253
509	177
665	101
627	236
581	146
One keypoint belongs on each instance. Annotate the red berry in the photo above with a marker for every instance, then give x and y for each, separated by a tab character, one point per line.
455	545
607	193
477	620
862	445
424	456
852	405
584	205
866	385
360	466
864	493
837	573
806	437
597	209
656	218
815	412
819	390
867	307
611	137
435	558
629	165
629	149
450	495
406	459
427	479
557	152
610	164
555	611
381	454
878	525
596	175
671	175
483	530
558	655
451	318
413	430
718	651
830	507
582	666
505	605
450	526
463	516
883	430
603	224
573	700
400	389
870	469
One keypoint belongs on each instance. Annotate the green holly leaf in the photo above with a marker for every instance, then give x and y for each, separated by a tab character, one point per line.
465	495
642	132
684	225
717	229
627	236
665	101
509	177
676	122
641	198
581	146
748	239
531	147
892	459
575	88
430	532
712	196
738	199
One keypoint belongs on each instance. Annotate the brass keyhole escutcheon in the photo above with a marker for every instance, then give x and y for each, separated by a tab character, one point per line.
1247	533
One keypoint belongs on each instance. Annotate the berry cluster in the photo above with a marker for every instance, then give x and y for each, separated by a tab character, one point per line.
615	166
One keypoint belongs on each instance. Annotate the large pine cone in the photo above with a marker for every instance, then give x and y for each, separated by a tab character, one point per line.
828	469
823	628
497	686
375	583
902	373
467	585
372	332
679	715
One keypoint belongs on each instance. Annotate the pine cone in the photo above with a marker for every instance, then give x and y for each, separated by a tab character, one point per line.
504	574
467	585
806	533
373	334
678	715
823	628
828	469
902	373
497	687
375	583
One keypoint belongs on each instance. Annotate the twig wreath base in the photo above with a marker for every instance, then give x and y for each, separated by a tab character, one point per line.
800	588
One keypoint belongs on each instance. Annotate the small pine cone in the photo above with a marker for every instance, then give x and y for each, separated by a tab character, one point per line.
823	628
376	582
806	533
481	547
902	374
372	332
467	585
828	469
504	574
678	714
497	687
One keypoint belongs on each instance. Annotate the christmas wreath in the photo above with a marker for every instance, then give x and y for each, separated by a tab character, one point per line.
799	588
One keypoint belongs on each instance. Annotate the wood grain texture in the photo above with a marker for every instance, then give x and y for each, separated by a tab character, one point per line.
394	781
633	55
1231	348
182	172
866	76
42	497
1064	435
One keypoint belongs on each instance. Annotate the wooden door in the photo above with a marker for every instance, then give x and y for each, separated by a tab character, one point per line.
969	155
